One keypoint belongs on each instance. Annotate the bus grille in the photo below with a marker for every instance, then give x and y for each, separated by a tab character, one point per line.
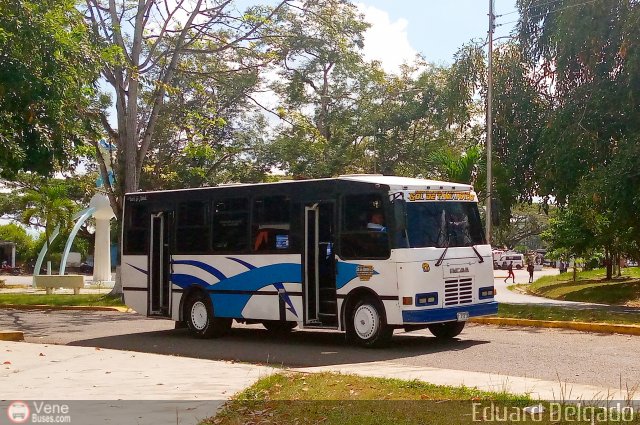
458	291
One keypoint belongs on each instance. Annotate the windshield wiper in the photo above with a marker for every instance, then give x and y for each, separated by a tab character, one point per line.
478	254
446	248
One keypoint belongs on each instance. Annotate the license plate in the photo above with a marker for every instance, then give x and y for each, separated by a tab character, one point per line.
463	316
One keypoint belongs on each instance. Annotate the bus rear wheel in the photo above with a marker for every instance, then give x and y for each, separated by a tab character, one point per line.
201	320
278	326
446	330
367	325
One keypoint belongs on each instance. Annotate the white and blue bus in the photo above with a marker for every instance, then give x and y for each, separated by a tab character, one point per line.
365	254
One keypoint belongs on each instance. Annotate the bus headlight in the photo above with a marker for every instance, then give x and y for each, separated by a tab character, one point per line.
486	292
426	299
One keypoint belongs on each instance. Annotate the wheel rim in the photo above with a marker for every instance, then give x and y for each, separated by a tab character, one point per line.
199	315
366	321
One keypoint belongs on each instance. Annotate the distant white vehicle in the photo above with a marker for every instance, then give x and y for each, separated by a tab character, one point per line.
516	259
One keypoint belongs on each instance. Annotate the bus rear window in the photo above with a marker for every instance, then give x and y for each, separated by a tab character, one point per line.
136	229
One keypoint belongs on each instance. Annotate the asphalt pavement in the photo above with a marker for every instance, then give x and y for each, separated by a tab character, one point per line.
549	354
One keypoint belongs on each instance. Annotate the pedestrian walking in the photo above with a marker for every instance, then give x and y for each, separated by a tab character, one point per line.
510	274
530	270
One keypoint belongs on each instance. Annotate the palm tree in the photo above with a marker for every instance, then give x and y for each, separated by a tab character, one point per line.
48	206
467	167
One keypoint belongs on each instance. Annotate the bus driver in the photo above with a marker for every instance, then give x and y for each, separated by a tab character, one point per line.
376	222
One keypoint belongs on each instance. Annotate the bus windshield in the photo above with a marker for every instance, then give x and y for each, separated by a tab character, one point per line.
443	224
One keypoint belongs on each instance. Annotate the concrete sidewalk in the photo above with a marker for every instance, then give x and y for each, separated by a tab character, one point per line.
197	388
129	387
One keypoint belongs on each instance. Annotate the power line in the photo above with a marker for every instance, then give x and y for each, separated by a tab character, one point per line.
529	8
543	14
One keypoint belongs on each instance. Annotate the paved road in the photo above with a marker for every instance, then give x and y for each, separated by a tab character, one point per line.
549	354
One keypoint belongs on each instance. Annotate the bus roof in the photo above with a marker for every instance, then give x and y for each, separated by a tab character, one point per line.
394	183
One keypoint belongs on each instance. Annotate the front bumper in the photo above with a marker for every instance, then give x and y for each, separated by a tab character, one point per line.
437	315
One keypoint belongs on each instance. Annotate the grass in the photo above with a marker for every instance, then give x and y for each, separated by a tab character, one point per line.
329	398
591	286
536	312
61	300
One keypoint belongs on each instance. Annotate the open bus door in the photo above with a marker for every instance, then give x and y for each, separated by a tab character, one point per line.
159	265
320	265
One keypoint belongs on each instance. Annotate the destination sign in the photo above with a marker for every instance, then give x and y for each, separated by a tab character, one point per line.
434	195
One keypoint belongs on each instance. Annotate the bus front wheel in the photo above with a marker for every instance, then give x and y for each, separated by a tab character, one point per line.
367	325
201	320
446	330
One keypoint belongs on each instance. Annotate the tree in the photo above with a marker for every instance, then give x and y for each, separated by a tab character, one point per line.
49	206
586	58
44	203
208	132
323	81
524	222
460	168
25	244
47	71
144	42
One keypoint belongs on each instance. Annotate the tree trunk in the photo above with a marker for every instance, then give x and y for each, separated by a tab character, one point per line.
608	263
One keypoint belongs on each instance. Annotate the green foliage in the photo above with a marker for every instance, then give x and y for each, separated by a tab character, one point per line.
206	133
342	114
25	244
47	68
525	221
46	203
463	168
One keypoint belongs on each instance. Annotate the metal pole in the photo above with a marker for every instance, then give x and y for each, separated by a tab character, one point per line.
489	120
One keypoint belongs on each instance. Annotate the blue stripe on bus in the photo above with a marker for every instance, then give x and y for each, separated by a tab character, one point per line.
185	280
434	315
282	292
254	279
346	273
244	263
204	266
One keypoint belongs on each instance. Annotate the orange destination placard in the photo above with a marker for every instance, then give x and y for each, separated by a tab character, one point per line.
433	195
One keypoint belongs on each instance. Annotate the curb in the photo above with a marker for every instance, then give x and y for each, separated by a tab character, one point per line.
65	307
576	326
11	336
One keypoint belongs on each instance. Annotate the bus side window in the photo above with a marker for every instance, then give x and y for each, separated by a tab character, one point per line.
230	225
137	229
271	224
192	229
364	227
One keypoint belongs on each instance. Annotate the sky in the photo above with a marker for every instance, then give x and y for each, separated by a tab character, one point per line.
434	28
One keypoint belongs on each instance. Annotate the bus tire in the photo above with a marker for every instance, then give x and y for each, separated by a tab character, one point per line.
279	327
201	320
446	330
367	324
